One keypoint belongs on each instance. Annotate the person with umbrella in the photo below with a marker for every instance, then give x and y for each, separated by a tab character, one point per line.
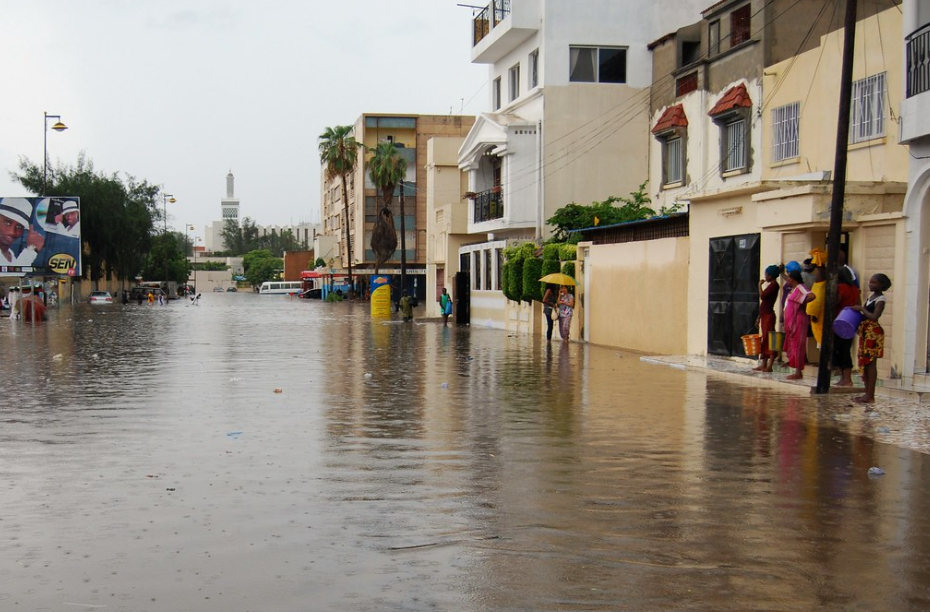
566	310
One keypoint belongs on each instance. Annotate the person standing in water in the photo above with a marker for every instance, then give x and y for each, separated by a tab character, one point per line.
871	335
768	296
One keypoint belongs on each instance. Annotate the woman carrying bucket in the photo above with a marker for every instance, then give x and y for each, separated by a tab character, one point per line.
768	296
796	323
871	335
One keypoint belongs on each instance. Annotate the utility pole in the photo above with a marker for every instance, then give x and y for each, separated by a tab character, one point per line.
403	243
839	195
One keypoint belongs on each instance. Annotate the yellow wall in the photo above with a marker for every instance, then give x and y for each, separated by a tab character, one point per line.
812	79
639	295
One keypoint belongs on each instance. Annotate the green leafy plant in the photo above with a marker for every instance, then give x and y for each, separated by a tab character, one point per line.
532	272
569	268
614	209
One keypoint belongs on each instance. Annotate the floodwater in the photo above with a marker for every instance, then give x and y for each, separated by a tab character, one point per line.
256	453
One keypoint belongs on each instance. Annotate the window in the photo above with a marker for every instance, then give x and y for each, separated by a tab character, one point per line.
597	65
496	94
514	78
534	69
476	279
735	145
686	84
740	23
867	114
487	270
785	132
713	38
673	159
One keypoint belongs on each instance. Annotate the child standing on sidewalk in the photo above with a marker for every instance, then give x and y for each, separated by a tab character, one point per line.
871	335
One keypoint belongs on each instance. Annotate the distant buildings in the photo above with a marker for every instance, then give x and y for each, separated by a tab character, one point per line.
304	233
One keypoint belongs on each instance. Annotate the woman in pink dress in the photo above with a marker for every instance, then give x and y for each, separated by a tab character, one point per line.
796	324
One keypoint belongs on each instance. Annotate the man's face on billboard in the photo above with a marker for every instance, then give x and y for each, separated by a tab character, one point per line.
10	231
71	218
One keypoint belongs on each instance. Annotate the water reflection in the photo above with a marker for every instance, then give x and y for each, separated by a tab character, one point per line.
149	464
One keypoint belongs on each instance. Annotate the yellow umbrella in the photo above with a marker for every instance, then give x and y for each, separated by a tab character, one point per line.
558	279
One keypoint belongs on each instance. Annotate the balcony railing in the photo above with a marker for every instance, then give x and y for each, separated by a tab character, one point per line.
489	17
918	61
489	205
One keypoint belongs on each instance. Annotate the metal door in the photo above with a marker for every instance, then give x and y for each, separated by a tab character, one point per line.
462	298
733	292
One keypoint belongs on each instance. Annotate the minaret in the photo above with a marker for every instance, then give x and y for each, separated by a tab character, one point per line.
230	204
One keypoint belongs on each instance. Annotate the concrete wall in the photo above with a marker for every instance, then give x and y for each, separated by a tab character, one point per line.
639	295
811	80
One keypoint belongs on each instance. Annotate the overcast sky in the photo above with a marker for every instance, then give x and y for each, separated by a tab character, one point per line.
178	92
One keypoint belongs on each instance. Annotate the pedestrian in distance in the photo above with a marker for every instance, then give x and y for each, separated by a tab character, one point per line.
406	307
768	296
796	324
549	303
445	305
566	310
871	335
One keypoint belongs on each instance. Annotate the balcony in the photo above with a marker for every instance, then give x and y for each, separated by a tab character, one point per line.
489	18
489	205
918	61
915	121
499	29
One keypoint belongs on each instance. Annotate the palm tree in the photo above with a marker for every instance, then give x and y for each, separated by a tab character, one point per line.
387	168
339	154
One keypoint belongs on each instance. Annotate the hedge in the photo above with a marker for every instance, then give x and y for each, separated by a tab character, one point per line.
532	271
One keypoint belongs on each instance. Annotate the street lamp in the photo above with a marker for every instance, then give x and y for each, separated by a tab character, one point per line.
58	127
166	197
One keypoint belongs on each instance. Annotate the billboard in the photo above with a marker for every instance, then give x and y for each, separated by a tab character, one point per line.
40	236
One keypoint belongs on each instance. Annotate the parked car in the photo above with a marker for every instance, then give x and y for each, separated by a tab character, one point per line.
312	294
217	289
100	297
231	290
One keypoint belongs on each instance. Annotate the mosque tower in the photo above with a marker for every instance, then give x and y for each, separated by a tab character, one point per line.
230	204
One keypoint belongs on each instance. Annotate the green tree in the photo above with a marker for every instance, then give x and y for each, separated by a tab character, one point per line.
319	263
260	266
117	214
167	255
339	155
387	169
576	216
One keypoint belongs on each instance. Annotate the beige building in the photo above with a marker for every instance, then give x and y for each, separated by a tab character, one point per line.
410	133
750	151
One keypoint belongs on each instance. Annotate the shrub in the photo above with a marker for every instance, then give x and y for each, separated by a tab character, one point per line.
569	268
551	251
567	252
532	271
516	279
505	280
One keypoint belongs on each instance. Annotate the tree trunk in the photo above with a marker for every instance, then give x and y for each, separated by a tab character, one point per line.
348	254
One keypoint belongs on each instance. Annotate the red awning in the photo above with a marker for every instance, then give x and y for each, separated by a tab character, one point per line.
736	97
674	116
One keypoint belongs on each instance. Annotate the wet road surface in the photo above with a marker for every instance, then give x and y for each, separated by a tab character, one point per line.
147	463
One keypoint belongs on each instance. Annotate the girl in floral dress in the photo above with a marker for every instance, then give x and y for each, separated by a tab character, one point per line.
871	335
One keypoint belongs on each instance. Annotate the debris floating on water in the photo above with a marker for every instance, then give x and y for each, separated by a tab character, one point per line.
884	430
58	357
444	386
279	390
876	471
367	375
234	434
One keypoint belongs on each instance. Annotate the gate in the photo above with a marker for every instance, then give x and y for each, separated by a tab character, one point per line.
462	298
733	293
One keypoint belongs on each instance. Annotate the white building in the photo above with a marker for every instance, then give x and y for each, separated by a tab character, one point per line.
915	132
568	120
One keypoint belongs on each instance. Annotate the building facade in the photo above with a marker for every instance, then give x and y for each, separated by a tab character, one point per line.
569	87
411	134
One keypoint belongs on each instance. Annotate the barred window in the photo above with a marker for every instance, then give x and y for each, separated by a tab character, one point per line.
785	131
735	146
867	115
673	161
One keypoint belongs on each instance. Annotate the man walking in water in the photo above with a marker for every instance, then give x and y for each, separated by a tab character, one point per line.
406	307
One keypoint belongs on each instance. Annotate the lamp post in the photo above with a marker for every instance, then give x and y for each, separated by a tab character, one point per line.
166	197
58	127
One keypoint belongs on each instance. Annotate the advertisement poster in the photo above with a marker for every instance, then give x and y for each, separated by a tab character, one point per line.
40	236
380	296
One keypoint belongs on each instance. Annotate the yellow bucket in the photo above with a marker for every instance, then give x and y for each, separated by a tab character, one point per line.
776	341
752	344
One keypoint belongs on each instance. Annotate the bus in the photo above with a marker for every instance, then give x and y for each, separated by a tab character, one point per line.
280	287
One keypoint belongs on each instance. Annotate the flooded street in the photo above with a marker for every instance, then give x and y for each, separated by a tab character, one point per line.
256	454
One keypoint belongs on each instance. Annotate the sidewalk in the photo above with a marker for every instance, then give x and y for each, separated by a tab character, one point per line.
899	416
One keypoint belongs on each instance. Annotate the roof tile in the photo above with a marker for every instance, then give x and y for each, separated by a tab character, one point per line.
674	116
736	97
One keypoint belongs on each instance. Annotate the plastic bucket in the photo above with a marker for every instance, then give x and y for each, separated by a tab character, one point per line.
752	344
847	323
776	341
